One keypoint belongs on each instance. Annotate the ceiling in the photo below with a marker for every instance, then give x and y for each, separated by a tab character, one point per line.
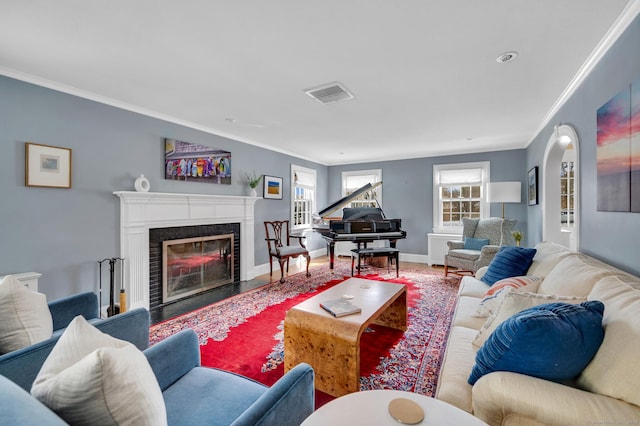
423	72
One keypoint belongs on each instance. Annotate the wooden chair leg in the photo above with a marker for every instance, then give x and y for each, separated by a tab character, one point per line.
282	262
308	261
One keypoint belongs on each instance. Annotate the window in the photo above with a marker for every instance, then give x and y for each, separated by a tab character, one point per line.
458	191
351	181
567	191
303	196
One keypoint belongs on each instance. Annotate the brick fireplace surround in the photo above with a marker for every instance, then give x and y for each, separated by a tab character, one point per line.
142	211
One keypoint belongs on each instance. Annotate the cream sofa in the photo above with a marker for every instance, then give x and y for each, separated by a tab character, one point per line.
608	389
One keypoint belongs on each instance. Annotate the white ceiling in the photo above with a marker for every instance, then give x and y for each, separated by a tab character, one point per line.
423	72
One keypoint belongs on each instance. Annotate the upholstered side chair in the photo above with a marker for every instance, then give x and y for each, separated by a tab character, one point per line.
481	240
279	245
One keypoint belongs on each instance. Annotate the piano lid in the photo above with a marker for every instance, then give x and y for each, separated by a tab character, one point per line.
346	200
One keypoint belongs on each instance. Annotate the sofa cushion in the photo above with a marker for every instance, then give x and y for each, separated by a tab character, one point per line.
475	243
513	303
26	318
510	261
465	314
452	381
471	286
92	378
493	296
548	254
613	371
554	341
572	277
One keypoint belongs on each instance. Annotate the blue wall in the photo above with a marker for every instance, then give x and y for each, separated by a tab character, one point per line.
407	190
62	233
610	236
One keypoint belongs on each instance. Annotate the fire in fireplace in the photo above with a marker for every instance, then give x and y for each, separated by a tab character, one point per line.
194	265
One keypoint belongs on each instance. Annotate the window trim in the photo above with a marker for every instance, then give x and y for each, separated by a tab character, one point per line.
295	168
437	202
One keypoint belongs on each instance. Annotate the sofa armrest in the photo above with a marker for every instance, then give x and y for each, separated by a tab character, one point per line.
174	357
455	244
66	309
503	398
22	366
287	403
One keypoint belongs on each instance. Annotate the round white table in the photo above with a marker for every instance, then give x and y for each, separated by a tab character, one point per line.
371	408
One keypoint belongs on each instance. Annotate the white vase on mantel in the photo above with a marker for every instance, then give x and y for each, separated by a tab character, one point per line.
142	184
251	192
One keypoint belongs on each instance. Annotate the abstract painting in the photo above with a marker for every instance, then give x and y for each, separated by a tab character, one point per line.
618	152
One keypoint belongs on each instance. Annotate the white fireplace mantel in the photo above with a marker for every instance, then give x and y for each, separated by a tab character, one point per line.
141	211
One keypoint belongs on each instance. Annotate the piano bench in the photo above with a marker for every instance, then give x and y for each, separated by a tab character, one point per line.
388	252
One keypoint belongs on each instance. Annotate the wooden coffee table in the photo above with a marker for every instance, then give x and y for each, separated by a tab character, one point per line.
332	345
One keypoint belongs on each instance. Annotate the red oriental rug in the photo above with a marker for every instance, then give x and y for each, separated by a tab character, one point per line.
244	333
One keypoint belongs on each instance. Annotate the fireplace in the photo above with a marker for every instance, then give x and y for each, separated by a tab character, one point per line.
194	265
187	260
141	213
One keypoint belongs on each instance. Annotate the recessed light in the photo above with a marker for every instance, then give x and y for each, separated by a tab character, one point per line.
507	57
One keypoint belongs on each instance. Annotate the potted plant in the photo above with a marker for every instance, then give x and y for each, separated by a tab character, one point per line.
517	235
253	181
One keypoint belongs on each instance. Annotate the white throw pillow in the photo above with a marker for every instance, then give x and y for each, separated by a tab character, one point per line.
613	370
514	302
25	316
91	378
496	293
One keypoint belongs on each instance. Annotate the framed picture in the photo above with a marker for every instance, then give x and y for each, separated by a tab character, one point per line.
532	189
191	162
47	166
272	187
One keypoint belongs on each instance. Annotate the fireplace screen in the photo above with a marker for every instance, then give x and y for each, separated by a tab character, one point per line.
193	265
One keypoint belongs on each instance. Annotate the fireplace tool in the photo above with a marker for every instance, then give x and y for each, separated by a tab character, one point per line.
113	308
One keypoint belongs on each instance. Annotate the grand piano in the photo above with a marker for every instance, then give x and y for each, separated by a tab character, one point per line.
358	225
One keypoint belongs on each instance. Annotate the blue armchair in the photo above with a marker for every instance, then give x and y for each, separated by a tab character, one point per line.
22	366
197	395
193	395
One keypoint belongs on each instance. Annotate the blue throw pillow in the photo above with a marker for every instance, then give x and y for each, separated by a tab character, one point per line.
554	341
475	243
510	261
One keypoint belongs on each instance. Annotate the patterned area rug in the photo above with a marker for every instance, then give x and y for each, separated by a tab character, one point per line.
244	333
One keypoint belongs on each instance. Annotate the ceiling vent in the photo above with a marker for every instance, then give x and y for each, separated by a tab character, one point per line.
331	92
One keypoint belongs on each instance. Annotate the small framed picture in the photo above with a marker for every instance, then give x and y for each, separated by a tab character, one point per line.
272	187
532	186
47	166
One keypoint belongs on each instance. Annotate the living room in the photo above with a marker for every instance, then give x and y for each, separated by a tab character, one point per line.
63	233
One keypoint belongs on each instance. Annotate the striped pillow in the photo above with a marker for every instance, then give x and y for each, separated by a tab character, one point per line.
496	293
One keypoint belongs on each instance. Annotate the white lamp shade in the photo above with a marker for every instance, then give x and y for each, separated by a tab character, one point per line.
504	192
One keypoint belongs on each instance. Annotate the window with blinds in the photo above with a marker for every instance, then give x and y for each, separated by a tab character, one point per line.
458	193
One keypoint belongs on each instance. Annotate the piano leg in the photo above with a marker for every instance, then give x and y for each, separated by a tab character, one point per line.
331	247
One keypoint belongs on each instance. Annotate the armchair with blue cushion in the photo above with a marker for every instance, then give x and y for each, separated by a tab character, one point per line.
482	238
